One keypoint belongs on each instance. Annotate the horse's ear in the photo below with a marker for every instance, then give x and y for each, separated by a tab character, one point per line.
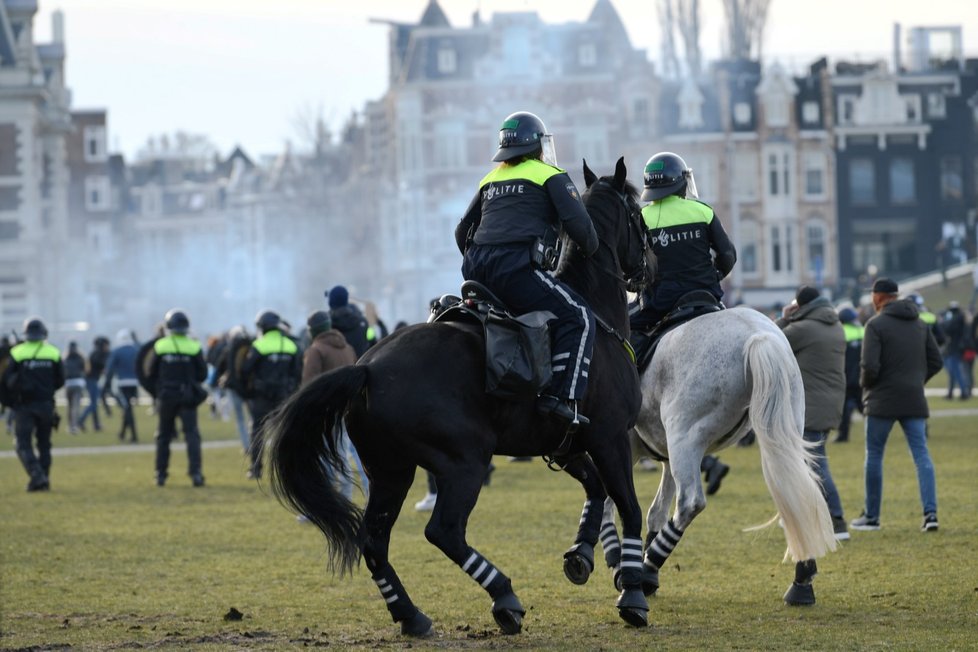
589	177
620	174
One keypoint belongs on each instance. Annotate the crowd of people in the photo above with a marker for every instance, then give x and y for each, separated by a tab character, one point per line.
872	359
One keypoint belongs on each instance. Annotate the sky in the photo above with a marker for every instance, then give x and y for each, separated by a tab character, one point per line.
246	72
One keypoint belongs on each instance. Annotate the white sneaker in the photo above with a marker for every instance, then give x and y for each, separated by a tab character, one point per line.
426	504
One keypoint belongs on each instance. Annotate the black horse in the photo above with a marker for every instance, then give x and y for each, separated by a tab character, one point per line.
418	398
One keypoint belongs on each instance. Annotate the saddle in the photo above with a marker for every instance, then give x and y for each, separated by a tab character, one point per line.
690	305
517	346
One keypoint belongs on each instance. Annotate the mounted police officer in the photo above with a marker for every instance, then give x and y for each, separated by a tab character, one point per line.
508	237
272	369
34	372
691	248
177	370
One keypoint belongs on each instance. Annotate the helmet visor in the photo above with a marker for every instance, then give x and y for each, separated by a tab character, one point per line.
549	152
691	192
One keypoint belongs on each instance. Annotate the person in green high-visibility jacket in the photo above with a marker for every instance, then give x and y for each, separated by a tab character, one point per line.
853	332
177	371
508	239
273	370
33	373
691	248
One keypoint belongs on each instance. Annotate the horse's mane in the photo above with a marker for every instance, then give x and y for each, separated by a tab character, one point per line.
570	248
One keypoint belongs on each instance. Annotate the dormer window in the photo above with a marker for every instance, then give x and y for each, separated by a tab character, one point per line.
447	60
776	93
741	113
809	113
94	137
690	102
587	55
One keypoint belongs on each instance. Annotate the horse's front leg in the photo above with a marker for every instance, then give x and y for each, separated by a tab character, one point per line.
458	491
579	559
614	462
656	520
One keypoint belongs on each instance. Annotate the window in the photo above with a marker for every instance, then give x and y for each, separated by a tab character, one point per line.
936	107
902	188
912	107
747	247
587	55
862	181
95	150
97	191
952	182
815	174
809	113
782	252
741	113
690	102
815	240
776	111
847	109
778	174
449	145
447	62
745	174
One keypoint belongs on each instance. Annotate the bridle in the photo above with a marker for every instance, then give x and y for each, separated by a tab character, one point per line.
633	278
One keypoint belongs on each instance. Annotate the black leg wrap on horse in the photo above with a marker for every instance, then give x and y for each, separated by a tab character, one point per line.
610	545
663	544
801	593
633	608
631	563
398	603
488	576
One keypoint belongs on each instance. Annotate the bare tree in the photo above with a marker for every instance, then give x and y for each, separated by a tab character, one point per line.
667	20
682	17
745	27
689	29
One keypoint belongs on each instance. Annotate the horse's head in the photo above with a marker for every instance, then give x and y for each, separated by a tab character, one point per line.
612	203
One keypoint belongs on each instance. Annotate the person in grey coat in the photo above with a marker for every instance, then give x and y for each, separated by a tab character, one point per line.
899	356
815	334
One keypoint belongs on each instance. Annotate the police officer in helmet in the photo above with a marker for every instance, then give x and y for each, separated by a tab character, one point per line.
272	369
177	370
520	208
33	373
692	249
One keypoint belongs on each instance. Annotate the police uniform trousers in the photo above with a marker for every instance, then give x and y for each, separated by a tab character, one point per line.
259	408
35	419
659	302
508	272
168	413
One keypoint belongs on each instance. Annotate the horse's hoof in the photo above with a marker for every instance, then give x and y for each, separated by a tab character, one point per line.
418	625
508	613
650	580
633	608
616	578
799	595
578	563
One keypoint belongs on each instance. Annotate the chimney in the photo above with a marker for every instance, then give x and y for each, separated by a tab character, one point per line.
57	26
897	63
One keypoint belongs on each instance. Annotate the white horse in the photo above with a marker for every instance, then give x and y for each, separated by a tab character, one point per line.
710	381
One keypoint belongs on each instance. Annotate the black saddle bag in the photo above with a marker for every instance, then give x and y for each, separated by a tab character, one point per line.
517	354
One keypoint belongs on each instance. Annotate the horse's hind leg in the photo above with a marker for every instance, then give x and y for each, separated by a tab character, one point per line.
656	520
387	494
685	464
579	559
457	495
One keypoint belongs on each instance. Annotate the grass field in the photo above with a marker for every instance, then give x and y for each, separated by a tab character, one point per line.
107	560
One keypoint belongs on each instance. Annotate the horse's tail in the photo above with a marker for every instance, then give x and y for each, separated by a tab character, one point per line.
300	441
786	459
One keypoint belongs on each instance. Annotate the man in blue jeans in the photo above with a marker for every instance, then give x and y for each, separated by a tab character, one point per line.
899	356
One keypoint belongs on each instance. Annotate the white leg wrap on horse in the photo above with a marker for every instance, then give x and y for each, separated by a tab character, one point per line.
663	544
631	553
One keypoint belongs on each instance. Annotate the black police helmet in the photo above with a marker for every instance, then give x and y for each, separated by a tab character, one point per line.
176	321
665	174
35	330
266	320
520	134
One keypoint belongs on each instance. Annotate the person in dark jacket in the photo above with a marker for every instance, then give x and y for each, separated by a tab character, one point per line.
121	367
74	365
350	321
96	366
853	331
177	370
817	339
507	238
899	356
692	249
955	330
272	369
33	374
